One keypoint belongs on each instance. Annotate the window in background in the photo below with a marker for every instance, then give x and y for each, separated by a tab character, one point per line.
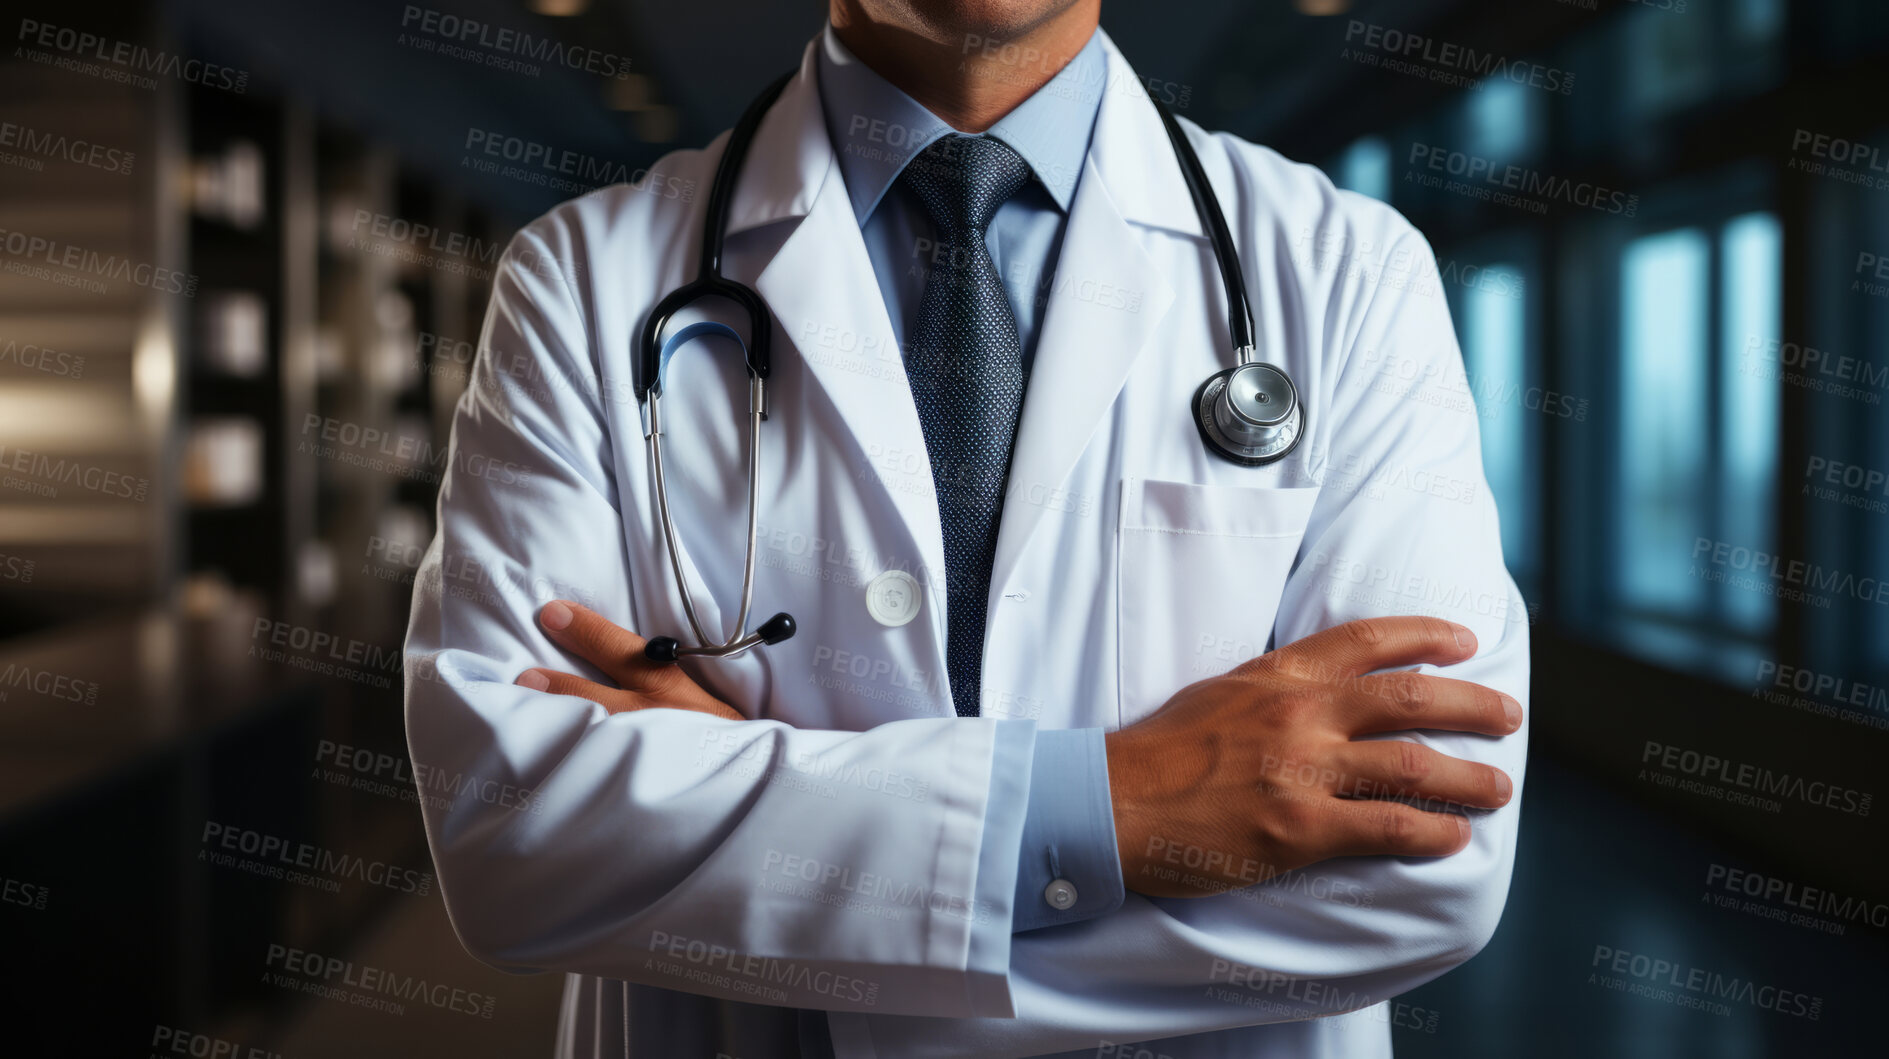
1669	58
1491	313
1750	57
1365	167
1501	120
1662	475
1752	251
1755	20
1697	444
1678	60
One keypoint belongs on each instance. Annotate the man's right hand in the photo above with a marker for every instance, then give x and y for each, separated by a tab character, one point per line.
1261	770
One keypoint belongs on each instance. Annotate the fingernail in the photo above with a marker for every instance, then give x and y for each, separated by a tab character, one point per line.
555	615
1465	639
533	679
1513	710
1503	786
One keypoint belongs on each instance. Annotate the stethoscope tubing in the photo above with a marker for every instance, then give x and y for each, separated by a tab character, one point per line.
734	643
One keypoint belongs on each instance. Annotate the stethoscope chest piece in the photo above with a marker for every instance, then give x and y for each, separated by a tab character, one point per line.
1249	414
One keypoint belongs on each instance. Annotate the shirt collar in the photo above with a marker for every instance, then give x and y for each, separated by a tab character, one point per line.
876	128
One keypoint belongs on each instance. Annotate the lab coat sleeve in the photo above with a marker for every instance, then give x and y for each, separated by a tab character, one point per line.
745	860
1404	524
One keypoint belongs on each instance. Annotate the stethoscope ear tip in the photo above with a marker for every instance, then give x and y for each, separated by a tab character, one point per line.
777	628
663	650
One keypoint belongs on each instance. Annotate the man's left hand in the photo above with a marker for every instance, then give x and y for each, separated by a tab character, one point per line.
641	684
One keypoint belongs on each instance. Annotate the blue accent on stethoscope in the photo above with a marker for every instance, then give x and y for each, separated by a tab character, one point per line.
697	330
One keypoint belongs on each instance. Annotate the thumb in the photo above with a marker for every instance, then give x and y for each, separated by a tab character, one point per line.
597	640
619	652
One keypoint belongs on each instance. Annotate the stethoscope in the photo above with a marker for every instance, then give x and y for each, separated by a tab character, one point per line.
1249	413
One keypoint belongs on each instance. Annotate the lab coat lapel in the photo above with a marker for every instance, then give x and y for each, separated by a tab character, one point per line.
1107	300
821	288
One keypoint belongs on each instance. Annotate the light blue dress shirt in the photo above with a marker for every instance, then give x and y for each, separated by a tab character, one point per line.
1069	823
876	129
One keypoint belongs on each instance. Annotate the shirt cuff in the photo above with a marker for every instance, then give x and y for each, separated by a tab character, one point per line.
1068	869
989	911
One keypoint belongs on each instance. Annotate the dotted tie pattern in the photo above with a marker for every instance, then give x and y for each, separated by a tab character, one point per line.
965	363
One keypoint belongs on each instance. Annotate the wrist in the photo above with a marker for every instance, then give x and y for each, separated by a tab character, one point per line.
1124	787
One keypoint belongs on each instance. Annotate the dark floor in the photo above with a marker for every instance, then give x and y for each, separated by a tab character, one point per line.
1597	870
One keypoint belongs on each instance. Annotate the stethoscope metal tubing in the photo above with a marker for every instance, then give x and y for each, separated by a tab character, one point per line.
754	506
735	643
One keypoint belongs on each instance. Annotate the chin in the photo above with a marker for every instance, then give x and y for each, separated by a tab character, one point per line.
995	19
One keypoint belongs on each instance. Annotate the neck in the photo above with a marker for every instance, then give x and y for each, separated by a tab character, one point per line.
968	79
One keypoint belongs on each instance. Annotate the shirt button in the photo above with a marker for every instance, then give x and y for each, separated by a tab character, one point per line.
892	598
1061	895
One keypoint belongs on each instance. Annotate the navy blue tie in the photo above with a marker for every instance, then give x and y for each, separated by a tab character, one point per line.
965	363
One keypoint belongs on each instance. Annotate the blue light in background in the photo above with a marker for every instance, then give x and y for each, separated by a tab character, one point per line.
1365	168
1663	392
1748	424
1494	345
1499	119
1698	440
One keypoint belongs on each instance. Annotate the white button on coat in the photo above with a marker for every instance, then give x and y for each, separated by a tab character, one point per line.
893	598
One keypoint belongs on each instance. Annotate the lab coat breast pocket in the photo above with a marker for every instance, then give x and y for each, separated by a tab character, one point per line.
1201	569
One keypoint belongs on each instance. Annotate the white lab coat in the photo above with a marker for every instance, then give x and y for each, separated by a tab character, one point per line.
1130	563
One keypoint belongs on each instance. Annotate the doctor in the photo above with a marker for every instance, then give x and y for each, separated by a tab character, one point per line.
1091	741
